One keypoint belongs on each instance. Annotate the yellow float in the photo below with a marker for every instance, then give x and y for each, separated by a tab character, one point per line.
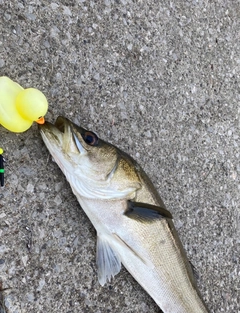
19	107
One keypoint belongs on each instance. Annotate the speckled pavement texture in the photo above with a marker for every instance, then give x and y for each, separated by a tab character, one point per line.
159	79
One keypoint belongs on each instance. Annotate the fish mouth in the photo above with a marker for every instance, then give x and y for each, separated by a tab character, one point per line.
58	134
60	128
61	124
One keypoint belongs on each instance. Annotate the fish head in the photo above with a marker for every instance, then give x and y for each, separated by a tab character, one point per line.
93	167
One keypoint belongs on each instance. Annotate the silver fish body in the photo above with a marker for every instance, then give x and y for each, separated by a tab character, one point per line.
133	226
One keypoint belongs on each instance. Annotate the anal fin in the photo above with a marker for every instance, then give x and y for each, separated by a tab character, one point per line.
108	261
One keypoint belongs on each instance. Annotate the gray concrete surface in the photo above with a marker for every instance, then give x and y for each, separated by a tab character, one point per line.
160	79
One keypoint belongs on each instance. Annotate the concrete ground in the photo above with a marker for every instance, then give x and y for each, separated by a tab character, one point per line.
159	79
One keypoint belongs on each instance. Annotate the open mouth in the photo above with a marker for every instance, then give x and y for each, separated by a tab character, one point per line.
60	124
61	134
66	137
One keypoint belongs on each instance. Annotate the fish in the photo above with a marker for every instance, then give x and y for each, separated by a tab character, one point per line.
133	226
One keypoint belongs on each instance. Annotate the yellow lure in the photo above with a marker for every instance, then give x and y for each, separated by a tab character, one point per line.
19	107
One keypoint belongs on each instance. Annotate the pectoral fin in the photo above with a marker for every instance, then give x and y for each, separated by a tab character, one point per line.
144	212
108	261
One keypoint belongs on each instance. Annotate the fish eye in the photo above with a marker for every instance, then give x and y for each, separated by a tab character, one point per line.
90	138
